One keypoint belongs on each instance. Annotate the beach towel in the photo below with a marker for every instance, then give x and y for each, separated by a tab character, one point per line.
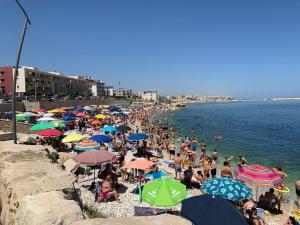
147	211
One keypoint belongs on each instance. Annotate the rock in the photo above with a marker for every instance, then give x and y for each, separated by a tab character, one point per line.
144	220
25	170
70	165
49	208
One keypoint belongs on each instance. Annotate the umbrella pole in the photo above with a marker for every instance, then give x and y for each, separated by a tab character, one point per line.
94	173
140	190
256	193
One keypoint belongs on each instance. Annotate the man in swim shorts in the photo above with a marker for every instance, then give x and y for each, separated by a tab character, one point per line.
178	165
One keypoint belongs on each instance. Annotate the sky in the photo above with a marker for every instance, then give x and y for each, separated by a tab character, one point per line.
248	49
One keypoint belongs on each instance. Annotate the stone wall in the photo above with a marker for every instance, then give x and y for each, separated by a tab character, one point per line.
6	125
6	107
6	136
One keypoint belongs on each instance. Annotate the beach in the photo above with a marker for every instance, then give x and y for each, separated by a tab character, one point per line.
160	134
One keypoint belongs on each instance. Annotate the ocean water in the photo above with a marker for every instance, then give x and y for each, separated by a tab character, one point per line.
266	133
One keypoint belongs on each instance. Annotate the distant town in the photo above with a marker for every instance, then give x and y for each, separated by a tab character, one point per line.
34	84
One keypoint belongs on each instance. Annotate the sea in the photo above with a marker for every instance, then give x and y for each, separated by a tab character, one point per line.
265	133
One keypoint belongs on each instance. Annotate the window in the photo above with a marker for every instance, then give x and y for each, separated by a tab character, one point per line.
2	80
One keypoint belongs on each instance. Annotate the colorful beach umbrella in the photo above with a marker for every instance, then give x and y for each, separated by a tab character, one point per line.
87	145
46	118
58	124
123	128
257	175
95	122
141	164
164	192
72	132
137	137
94	157
40	110
21	117
110	129
101	138
68	118
101	116
57	111
50	133
73	138
227	188
211	210
42	126
29	114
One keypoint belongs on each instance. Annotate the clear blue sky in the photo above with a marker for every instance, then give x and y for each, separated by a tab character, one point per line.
225	47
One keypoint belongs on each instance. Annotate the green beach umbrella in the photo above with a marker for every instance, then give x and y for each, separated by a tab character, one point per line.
20	117
164	192
58	124
42	126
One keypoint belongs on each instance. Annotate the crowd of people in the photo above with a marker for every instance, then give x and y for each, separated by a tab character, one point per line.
187	156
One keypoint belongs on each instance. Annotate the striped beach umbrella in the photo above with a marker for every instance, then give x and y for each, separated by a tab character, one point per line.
257	175
87	145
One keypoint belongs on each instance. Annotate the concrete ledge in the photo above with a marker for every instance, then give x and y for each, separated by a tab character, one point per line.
6	136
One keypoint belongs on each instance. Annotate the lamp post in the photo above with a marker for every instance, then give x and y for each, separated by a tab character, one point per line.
27	21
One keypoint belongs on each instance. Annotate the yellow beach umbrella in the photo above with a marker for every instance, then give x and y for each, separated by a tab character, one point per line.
100	116
56	111
73	138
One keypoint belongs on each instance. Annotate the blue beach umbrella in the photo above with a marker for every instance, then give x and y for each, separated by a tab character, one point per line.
227	188
137	137
109	129
101	138
67	118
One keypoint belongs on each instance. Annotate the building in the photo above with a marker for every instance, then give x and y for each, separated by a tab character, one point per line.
150	96
97	88
6	81
121	92
108	91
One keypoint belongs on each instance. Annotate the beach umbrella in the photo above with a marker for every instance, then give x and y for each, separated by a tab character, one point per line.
42	126
211	210
87	145
100	116
94	157
95	122
141	164
257	175
164	192
48	115
46	118
227	188
89	109
29	114
110	129
137	137
40	110
68	118
57	111
20	117
123	128
73	138
58	124
72	132
101	138
50	133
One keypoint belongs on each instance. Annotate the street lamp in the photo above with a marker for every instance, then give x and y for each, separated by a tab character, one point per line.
27	21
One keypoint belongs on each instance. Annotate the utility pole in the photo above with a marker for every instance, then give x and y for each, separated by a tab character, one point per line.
27	21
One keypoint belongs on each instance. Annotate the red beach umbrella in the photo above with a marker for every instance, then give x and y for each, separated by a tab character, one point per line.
94	157
50	133
40	110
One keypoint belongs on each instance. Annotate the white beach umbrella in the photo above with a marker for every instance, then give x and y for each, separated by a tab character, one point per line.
72	132
48	115
46	118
